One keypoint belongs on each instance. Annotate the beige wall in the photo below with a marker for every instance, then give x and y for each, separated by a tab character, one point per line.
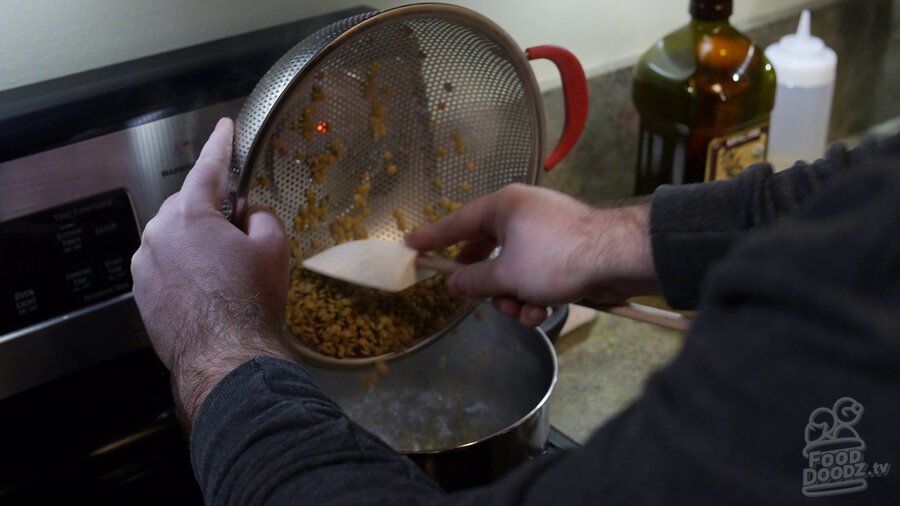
43	39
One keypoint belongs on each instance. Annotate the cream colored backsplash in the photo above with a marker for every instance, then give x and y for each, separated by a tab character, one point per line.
43	39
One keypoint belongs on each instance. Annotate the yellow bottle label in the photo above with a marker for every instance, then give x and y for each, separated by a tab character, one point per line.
729	155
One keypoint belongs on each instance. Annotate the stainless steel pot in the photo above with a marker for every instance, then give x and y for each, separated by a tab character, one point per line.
467	408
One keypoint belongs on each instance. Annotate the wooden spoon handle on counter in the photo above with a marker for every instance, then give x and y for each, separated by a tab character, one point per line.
646	314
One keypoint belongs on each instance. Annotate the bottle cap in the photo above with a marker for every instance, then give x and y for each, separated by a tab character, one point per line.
802	60
711	10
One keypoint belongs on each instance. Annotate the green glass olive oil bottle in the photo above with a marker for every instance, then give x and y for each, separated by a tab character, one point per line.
704	94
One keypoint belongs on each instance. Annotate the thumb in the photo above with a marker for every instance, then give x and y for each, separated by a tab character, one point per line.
264	228
205	184
480	280
271	250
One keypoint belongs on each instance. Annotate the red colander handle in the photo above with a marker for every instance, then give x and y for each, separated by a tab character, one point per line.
575	95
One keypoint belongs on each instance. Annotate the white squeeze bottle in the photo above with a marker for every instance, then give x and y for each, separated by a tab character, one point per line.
805	68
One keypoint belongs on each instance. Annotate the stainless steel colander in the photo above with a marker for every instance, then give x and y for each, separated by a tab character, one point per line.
428	105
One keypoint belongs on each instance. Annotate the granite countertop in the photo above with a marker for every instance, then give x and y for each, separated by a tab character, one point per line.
602	368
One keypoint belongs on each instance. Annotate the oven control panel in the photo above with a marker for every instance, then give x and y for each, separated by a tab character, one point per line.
70	220
66	258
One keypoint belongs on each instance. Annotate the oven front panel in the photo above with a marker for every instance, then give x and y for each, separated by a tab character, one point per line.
70	219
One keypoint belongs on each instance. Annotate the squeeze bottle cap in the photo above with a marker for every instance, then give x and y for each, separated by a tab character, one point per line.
802	60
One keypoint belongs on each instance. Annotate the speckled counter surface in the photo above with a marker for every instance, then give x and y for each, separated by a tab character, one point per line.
602	368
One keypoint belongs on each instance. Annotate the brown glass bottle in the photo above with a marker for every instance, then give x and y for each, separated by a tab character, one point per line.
704	93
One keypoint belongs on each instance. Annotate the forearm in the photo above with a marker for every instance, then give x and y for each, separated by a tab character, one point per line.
618	252
194	377
222	333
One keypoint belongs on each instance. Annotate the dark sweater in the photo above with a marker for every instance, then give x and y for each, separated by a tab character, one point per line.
799	313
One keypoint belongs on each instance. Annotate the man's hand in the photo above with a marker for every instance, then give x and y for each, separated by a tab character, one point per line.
554	249
211	295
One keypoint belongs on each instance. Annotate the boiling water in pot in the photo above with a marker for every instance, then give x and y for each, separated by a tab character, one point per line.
414	419
476	381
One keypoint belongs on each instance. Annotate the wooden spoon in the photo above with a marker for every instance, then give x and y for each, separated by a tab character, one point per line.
392	266
389	266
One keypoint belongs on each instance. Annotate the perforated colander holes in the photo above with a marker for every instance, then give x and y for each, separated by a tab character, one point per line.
499	147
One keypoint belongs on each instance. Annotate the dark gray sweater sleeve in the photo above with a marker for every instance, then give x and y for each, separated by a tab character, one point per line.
692	226
267	435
